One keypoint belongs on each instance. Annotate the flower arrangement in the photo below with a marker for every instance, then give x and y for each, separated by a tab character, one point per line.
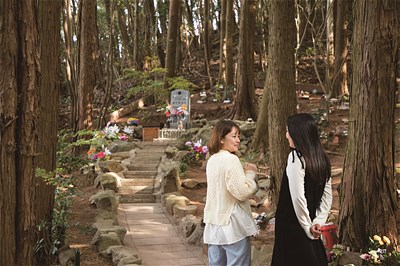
110	132
197	151
113	132
176	114
335	253
99	156
381	252
132	121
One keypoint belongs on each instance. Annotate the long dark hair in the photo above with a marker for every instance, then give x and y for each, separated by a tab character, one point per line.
221	129
304	133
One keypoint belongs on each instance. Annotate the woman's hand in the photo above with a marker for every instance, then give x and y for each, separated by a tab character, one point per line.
250	167
315	230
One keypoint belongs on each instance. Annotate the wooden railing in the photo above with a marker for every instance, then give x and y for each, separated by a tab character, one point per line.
170	133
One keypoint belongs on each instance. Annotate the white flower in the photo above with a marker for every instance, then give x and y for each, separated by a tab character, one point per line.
107	152
197	143
128	130
111	131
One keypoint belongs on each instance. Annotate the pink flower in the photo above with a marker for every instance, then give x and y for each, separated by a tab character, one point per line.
205	149
122	137
101	155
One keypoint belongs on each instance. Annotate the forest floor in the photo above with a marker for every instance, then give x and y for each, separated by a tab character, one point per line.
81	232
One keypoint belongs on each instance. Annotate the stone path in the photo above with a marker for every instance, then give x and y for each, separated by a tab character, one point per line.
150	231
153	235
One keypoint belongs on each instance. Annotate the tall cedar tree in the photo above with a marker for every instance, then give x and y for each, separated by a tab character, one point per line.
28	126
245	105
368	190
280	86
87	63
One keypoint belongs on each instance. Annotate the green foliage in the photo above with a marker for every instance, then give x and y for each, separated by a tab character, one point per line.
62	181
180	83
145	83
310	51
67	160
64	192
183	167
151	83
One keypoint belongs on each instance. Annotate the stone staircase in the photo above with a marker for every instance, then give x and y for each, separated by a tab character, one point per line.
137	186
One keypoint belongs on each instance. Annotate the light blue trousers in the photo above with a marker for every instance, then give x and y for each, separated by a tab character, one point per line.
236	254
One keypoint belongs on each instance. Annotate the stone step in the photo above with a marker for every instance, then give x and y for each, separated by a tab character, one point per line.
136	189
146	156
154	144
152	150
139	174
137	182
147	160
149	155
136	198
142	167
123	155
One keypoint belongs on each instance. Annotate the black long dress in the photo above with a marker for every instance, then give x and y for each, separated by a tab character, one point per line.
292	246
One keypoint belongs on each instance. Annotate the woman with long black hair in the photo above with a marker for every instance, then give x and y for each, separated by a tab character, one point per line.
305	197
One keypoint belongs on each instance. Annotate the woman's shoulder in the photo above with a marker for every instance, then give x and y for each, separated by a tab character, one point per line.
295	158
224	155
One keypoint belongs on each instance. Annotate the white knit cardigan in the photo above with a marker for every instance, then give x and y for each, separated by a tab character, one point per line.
227	184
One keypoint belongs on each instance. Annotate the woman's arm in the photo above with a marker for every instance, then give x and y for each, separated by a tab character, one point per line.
326	204
296	173
240	185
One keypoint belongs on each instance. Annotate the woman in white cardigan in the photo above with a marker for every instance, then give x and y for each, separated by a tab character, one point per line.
227	214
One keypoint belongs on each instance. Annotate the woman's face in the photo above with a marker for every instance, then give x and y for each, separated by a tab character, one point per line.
231	141
291	143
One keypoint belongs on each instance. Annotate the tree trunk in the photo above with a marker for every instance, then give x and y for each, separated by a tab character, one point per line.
126	44
207	41
134	18
340	78
8	126
206	32
48	120
229	67
87	64
25	200
178	48
245	104
28	111
368	190
280	83
329	47
222	44
191	35
173	30
69	31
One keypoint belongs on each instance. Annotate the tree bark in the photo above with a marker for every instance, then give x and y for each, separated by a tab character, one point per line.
173	30
87	64
8	127
329	46
229	65
340	72
71	59
222	44
245	104
48	118
280	85
28	110
26	76
127	45
368	190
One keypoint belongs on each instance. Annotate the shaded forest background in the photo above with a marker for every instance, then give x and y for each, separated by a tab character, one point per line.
79	64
